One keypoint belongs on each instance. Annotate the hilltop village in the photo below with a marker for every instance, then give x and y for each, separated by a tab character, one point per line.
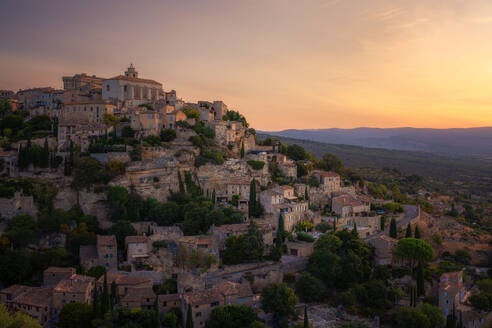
122	205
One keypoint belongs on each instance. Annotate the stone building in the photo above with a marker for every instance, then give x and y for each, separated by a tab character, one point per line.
33	301
384	247
329	181
451	291
35	97
146	122
137	248
105	254
139	298
82	81
53	275
300	248
79	132
124	282
91	111
203	302
129	87
350	205
76	289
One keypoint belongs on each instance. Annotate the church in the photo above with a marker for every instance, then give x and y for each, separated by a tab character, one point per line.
131	88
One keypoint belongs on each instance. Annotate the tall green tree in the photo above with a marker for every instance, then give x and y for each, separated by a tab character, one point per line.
242	150
306	320
417	232
280	232
393	232
408	233
114	295
420	279
76	315
252	199
354	230
180	181
105	301
45	155
189	318
279	300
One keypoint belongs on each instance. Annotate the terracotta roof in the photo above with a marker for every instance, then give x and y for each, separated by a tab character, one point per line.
35	296
135	239
121	279
286	187
14	289
169	297
137	294
106	240
347	200
326	173
88	102
237	181
76	284
218	292
132	79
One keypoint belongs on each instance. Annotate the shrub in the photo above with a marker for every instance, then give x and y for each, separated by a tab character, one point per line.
305	237
168	135
256	165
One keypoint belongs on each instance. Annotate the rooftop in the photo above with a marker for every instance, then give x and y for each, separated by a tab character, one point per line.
133	79
106	240
35	296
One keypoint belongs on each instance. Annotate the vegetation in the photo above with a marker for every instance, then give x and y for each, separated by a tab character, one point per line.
17	319
256	165
279	300
245	248
232	115
232	316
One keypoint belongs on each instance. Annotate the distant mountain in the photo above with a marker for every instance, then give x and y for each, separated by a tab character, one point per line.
469	141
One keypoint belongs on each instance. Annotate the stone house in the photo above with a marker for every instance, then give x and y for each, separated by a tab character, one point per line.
221	233
33	301
168	302
239	187
300	248
288	169
139	297
203	302
124	282
76	289
292	212
384	247
451	291
205	244
79	132
105	254
137	248
174	117
349	205
147	122
91	111
269	198
53	275
329	181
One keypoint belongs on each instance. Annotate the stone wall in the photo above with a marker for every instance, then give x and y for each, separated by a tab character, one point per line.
19	204
91	203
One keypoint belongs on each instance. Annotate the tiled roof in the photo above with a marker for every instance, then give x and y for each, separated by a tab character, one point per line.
14	289
35	296
218	292
76	284
135	239
121	279
347	200
326	173
169	297
132	79
88	102
138	293
106	240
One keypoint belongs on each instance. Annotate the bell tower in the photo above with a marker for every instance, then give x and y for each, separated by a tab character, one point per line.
131	72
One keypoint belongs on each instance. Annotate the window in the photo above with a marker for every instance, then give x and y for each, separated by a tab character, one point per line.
107	87
198	314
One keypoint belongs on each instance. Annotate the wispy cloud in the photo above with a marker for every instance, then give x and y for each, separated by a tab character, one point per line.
388	14
415	22
478	20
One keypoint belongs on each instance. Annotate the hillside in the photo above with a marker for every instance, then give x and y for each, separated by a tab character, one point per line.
412	162
470	141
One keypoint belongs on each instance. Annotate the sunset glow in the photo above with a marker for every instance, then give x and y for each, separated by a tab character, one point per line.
284	64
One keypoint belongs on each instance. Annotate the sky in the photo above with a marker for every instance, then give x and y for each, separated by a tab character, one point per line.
284	64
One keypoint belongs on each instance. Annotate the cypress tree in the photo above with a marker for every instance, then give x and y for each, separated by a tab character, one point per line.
417	232
114	295
180	181
306	320
334	225
45	155
95	304
242	150
280	232
157	319
393	232
105	301
408	234
420	280
252	199
189	318
383	222
213	197
354	230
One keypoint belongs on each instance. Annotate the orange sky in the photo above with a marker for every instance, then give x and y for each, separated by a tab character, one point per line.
283	63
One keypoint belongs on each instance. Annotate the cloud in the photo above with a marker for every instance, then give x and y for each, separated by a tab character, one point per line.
388	14
478	20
